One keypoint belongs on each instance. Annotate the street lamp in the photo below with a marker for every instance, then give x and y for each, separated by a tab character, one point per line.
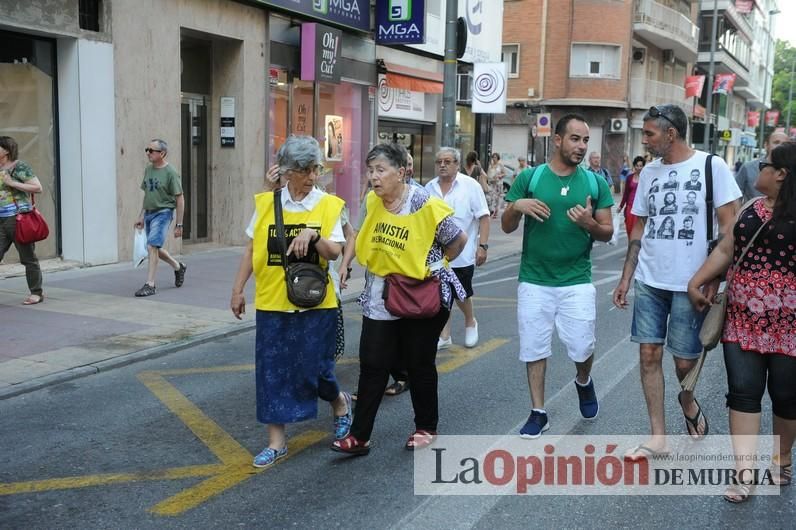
790	96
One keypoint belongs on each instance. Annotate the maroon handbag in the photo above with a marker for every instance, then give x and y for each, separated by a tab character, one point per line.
406	297
31	226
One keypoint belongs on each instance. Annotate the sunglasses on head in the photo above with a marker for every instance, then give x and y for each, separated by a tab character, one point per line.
150	150
655	112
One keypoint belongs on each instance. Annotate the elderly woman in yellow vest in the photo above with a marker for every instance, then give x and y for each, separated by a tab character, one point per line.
409	233
294	347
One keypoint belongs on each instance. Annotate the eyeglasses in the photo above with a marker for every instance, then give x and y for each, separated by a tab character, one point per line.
763	165
655	112
445	162
150	150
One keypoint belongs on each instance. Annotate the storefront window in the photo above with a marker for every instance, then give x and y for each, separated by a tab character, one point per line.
27	78
465	130
343	129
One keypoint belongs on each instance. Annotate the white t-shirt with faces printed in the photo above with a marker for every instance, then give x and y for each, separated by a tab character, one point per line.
672	198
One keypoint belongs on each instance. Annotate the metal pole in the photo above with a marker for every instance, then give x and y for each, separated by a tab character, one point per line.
790	97
449	88
711	72
765	90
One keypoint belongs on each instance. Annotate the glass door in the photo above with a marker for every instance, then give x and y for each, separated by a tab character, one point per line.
195	183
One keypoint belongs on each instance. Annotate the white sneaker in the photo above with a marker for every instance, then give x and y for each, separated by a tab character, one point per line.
471	336
444	344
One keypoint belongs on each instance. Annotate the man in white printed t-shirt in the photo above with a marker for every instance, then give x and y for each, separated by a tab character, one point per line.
471	213
663	262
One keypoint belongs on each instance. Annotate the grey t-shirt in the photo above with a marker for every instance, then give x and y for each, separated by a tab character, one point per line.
746	178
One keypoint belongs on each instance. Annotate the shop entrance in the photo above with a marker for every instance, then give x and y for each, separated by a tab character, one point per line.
195	167
415	137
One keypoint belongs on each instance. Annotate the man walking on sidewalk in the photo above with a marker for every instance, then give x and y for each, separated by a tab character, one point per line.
662	266
162	195
565	209
471	214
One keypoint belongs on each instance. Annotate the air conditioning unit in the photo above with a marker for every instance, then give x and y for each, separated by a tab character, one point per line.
464	88
668	56
639	54
618	125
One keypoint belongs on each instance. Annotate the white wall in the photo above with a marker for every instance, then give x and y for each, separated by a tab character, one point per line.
87	151
511	141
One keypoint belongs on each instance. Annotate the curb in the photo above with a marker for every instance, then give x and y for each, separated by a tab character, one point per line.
78	372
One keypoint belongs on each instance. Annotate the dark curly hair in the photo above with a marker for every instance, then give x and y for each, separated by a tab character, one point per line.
784	157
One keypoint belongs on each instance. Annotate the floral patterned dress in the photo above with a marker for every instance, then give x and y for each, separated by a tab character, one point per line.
761	308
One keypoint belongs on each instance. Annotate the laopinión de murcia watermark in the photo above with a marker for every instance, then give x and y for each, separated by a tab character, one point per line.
593	465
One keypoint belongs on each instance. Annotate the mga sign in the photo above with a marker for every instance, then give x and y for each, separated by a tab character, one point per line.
400	22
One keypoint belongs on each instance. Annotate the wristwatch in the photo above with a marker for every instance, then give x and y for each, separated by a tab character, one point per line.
484	246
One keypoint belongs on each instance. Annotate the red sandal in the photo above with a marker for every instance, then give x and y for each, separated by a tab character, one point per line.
351	446
420	439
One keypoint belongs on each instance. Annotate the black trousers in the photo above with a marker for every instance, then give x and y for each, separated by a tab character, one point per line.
747	374
382	345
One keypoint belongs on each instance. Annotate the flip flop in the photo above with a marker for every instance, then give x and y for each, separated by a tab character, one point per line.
396	388
642	452
33	299
692	424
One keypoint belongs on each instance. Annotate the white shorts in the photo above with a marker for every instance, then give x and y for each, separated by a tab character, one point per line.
571	309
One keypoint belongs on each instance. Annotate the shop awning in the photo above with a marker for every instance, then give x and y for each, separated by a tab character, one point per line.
407	78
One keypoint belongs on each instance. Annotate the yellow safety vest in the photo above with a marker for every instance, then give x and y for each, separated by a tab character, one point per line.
389	243
269	275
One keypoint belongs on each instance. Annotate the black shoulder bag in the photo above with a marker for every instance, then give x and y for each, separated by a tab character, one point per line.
306	282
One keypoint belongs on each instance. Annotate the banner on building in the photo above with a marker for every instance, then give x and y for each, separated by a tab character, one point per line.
351	13
694	85
753	118
321	47
744	6
400	22
489	88
772	117
723	83
400	103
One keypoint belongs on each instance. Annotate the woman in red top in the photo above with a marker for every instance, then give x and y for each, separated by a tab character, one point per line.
629	194
760	328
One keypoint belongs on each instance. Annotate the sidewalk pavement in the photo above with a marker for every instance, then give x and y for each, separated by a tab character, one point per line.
90	321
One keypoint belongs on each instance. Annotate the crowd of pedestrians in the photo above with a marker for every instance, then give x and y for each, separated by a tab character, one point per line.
420	246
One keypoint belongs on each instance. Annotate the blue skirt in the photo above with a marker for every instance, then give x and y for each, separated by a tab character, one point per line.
294	364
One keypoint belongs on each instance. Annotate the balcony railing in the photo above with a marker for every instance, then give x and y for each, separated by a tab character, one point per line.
645	93
667	20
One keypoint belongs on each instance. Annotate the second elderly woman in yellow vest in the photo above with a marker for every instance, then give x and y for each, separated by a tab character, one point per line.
294	347
409	233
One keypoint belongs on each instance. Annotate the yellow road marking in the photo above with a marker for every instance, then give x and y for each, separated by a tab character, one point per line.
232	475
224	446
463	356
494	299
34	486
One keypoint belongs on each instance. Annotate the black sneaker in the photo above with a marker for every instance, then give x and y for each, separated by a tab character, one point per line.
587	398
179	275
146	290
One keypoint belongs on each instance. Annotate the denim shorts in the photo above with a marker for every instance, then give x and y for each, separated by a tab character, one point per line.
661	316
157	223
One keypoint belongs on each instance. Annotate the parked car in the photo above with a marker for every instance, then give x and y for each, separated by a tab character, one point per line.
508	179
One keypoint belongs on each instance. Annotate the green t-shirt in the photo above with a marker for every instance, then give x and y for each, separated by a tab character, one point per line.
161	187
556	253
22	172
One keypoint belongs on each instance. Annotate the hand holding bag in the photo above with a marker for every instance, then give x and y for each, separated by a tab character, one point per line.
406	297
31	225
305	282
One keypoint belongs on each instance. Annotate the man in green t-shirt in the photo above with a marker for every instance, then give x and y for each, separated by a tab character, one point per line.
563	216
162	187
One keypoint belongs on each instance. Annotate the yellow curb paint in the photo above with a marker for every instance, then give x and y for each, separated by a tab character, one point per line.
224	446
209	370
463	356
35	486
233	475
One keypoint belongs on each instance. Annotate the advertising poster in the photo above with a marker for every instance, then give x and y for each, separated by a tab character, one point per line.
333	147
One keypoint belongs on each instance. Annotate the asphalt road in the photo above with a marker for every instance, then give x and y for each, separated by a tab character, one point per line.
168	443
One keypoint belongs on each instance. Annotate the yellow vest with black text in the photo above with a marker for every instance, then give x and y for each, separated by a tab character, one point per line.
390	244
269	275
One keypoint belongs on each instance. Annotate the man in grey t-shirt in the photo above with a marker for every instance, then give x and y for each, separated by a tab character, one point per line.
748	173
